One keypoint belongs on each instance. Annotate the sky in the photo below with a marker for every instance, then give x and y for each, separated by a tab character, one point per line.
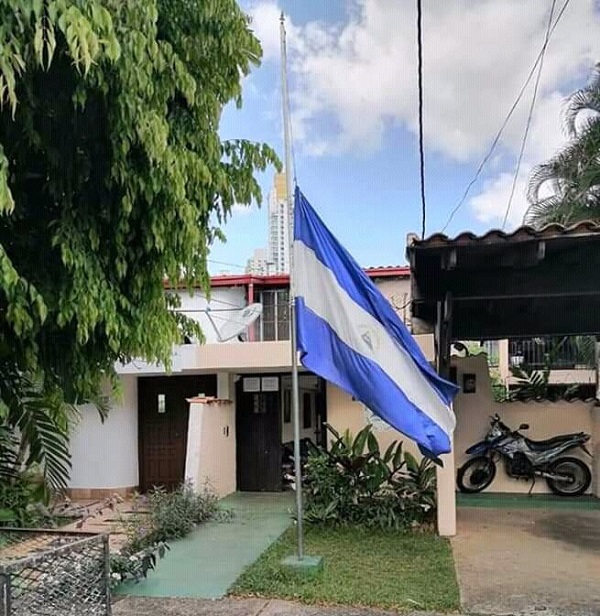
352	68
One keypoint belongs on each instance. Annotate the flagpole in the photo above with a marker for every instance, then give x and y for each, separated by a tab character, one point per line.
287	137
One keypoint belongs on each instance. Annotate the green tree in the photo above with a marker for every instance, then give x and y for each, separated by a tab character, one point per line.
113	179
566	189
113	176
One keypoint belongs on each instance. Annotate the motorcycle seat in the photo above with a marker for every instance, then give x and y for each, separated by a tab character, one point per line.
552	442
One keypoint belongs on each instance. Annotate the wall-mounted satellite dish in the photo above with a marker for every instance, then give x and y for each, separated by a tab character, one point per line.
235	322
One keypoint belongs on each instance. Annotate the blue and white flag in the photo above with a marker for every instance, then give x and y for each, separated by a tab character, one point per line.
349	334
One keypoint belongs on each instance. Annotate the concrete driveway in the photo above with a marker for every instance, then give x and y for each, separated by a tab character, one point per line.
528	561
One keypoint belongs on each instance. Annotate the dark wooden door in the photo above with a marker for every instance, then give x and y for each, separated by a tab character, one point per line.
258	430
163	426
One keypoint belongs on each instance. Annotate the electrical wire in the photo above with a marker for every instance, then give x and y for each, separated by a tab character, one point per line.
530	115
420	88
512	109
225	263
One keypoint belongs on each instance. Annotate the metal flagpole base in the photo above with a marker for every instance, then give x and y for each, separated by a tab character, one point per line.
308	566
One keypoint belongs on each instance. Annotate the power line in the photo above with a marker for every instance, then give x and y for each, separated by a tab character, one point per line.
420	87
225	263
530	115
504	123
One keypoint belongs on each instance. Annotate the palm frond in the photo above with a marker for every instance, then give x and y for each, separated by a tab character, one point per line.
583	100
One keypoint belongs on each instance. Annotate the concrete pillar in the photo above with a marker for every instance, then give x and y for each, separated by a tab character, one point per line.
446	497
223	386
503	360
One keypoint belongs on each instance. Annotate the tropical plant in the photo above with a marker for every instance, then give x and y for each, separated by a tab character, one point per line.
534	384
113	176
34	438
354	483
566	189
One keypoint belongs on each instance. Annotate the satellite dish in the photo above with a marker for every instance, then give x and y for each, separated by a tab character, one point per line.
236	322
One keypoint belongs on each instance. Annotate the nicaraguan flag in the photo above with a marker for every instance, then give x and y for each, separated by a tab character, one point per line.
349	334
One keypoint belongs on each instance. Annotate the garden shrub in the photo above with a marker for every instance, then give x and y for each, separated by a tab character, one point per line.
161	516
354	484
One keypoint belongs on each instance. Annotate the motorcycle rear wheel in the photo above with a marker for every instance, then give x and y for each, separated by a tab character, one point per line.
580	474
476	474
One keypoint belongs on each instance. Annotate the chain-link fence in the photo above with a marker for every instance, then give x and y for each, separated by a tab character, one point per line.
53	573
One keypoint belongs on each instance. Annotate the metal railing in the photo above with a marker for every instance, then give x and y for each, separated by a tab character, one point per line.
560	353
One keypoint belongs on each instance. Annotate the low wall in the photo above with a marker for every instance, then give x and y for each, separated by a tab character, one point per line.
211	455
546	419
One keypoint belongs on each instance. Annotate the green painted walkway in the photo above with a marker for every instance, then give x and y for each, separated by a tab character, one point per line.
497	500
207	562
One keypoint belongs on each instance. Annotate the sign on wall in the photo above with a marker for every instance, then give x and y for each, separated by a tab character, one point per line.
251	383
270	383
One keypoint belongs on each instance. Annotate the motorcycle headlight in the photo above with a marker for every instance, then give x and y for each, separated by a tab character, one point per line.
495	432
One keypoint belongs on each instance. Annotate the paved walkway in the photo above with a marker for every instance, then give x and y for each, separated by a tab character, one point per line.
207	562
134	606
529	561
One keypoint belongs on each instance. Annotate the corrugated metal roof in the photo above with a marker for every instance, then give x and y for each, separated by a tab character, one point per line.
495	236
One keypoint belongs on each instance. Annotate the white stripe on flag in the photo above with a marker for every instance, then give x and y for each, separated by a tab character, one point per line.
364	334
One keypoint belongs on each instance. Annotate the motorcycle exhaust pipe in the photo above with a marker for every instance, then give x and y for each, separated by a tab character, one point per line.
553	476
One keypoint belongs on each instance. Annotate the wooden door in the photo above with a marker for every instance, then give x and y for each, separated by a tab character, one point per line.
258	430
163	425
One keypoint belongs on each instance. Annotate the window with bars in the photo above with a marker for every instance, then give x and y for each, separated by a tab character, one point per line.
274	323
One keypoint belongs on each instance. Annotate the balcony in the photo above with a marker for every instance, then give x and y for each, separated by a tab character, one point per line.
558	353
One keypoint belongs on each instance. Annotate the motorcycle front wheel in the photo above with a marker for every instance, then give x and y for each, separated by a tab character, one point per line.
577	477
476	474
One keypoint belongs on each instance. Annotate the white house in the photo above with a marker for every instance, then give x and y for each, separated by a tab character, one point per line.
225	409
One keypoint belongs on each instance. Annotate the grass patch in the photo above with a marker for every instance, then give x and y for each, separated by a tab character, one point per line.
362	567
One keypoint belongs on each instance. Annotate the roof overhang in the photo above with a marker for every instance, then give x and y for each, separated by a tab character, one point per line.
526	283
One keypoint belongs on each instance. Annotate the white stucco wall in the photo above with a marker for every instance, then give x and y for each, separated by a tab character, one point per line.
105	455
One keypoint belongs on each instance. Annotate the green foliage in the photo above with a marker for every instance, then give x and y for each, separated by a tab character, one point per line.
161	516
499	389
22	503
34	437
533	384
113	175
572	175
164	516
134	567
355	484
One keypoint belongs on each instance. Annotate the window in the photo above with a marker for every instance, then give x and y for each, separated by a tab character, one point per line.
274	323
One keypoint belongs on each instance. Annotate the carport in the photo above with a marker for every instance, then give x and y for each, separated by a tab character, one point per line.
523	284
503	285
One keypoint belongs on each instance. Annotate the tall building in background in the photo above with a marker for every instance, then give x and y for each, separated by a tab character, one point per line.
259	263
279	226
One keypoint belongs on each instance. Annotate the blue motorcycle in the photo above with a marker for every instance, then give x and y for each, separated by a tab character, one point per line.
526	459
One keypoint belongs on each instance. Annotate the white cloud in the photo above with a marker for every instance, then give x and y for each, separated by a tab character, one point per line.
362	74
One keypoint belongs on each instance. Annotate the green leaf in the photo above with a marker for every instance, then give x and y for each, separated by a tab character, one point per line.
411	463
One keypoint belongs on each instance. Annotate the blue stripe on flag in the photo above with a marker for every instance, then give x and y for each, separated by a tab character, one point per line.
312	232
335	361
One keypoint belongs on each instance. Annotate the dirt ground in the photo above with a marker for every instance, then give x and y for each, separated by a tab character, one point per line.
528	561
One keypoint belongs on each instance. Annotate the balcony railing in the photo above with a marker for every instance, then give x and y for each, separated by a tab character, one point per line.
559	353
